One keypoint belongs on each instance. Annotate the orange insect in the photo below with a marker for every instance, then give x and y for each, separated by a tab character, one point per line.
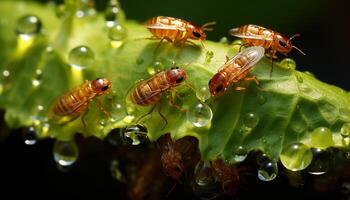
176	30
227	175
77	100
150	91
273	41
179	155
235	70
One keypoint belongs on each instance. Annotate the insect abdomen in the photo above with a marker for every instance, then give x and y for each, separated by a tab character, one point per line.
256	30
150	92
173	35
66	105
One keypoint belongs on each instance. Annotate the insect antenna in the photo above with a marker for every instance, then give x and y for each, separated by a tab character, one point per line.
290	39
299	50
206	28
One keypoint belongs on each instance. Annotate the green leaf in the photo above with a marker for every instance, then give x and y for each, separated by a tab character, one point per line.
283	109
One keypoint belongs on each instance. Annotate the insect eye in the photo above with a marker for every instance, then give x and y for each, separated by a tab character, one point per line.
196	34
104	88
283	43
179	79
219	88
176	67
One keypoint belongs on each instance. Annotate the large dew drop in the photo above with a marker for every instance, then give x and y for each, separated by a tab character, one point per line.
30	136
205	185
203	94
111	13
296	156
65	153
268	171
321	138
240	154
81	57
320	163
135	134
28	25
117	32
288	63
200	115
251	120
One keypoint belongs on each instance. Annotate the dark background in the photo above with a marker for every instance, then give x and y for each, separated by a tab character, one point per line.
324	26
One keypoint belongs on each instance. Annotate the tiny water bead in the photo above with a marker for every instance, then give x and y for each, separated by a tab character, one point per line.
268	171
251	120
30	136
111	14
135	134
203	94
320	163
296	156
139	61
28	25
288	63
209	55
38	76
223	40
85	8
65	153
117	32
345	130
321	138
81	57
199	115
240	154
117	112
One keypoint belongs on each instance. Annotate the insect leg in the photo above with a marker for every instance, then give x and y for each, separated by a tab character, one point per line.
99	105
162	116
148	113
83	119
248	78
172	102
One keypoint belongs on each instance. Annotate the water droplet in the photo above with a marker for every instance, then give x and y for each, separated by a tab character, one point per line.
139	61
203	174
30	136
240	154
117	32
117	113
288	63
49	49
28	25
151	70
203	94
200	115
129	118
320	162
251	120
158	65
296	156
6	73
65	153
321	138
268	171
116	173
209	55
111	15
205	185
86	8
309	73
135	134
35	82
223	40
261	99
61	11
345	130
81	57
299	78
